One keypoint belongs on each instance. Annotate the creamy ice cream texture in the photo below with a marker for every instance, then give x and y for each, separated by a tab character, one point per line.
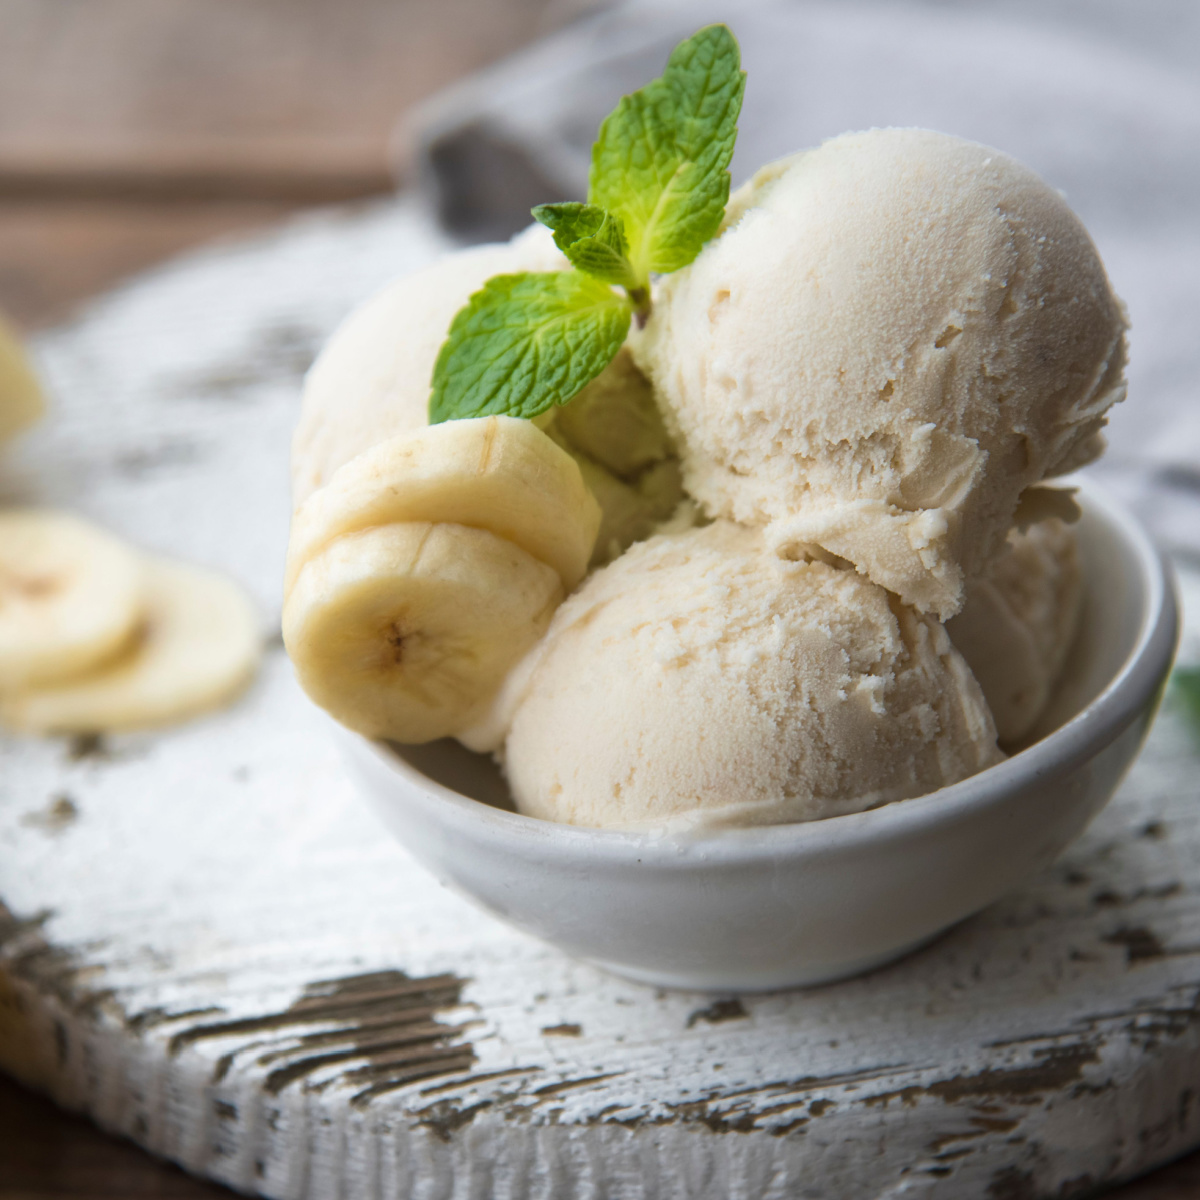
895	335
1018	623
702	681
895	339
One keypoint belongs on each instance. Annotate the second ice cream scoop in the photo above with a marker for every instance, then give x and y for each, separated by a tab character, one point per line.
700	680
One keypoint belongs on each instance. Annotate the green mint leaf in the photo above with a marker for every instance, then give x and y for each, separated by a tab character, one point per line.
592	239
526	342
661	161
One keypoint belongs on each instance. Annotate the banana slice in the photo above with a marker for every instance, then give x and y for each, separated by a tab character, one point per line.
70	596
406	631
499	474
197	646
21	400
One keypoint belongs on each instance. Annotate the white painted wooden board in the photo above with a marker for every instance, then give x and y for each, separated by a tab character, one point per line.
208	944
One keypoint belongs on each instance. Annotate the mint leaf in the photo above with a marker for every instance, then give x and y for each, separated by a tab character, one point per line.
526	342
592	239
661	161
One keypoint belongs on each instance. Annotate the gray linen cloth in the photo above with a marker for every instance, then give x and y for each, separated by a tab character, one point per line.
1102	97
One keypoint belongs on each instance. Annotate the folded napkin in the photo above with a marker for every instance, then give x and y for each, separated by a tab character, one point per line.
1100	97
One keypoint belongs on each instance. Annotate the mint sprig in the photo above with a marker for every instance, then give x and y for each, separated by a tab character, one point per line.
657	191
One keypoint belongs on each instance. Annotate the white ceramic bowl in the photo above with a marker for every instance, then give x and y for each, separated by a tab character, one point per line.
808	903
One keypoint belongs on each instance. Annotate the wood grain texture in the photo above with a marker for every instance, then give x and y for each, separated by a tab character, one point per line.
281	96
55	255
133	129
209	945
47	1154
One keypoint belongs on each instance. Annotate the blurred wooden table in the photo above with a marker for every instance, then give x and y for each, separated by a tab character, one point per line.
133	129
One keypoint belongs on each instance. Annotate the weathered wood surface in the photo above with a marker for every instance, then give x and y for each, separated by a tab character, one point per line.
209	945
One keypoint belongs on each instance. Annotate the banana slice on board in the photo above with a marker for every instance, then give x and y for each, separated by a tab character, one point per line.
499	474
21	400
197	646
405	631
70	596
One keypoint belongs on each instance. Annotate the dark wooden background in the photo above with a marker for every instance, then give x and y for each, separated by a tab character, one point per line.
130	129
133	129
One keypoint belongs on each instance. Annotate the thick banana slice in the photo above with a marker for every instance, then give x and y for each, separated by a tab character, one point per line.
70	596
406	631
21	400
498	474
198	645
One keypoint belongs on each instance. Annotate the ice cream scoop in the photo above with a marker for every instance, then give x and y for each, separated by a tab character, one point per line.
1018	621
894	337
702	681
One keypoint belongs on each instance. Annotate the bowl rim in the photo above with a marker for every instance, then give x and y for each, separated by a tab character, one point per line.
1059	752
